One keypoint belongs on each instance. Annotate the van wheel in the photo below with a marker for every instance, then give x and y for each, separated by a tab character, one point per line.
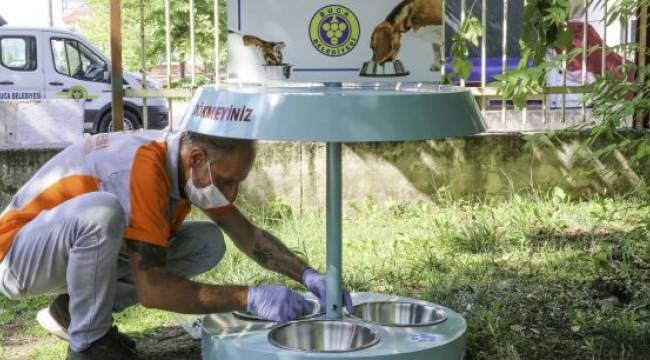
131	122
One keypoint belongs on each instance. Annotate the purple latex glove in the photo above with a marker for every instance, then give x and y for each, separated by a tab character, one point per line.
277	303
317	284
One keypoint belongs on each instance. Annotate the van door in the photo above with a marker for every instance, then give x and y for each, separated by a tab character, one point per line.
72	70
21	70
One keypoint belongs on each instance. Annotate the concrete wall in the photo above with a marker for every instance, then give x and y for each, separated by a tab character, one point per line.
17	166
481	166
40	123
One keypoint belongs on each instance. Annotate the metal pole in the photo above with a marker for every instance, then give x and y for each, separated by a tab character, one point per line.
116	62
444	39
50	12
504	54
524	111
604	50
216	41
585	28
462	21
168	51
333	233
145	111
192	44
642	29
484	54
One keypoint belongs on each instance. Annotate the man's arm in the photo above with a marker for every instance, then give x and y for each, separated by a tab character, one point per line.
260	245
159	288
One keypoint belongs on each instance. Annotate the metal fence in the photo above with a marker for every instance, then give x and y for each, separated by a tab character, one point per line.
499	113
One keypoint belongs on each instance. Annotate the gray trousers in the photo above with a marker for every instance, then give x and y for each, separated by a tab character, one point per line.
77	248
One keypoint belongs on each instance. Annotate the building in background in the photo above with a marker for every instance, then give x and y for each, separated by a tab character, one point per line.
73	10
43	13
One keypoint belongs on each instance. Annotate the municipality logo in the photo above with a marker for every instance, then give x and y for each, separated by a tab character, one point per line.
334	30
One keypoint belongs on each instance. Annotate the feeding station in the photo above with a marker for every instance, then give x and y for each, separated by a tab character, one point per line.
381	326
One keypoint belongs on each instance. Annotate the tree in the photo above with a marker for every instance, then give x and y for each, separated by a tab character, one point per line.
96	28
613	100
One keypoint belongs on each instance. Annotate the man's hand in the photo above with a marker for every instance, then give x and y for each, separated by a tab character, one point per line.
277	303
317	284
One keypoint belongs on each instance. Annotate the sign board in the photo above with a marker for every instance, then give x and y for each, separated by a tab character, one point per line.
334	41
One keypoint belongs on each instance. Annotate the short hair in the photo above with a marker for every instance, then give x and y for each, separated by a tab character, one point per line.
216	145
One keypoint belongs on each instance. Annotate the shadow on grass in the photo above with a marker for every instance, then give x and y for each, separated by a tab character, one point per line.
571	295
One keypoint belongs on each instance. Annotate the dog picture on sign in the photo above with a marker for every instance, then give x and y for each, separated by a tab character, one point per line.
422	19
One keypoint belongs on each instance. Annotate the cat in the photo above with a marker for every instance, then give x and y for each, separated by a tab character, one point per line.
423	18
270	51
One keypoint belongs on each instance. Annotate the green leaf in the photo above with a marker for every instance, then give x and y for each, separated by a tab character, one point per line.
564	39
461	67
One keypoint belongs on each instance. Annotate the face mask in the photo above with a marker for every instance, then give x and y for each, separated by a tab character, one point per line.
208	197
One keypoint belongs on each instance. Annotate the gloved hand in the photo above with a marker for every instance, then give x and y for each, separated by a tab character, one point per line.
317	284
277	303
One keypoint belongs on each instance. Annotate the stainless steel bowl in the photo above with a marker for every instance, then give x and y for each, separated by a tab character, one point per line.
277	72
395	313
323	336
388	69
316	310
220	324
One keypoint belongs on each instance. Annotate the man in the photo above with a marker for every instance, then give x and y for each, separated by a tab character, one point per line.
102	224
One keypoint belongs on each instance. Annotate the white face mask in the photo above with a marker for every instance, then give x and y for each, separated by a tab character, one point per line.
206	198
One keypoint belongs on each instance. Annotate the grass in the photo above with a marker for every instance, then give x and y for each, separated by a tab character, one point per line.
539	276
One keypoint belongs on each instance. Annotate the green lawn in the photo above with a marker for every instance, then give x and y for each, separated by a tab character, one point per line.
539	276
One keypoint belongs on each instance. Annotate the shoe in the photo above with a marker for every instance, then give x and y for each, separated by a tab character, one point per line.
108	347
56	320
56	317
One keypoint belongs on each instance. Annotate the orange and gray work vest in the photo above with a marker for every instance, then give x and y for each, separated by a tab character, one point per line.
140	168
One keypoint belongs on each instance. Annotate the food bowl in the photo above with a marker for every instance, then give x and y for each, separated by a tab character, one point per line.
277	72
316	310
387	69
323	336
396	313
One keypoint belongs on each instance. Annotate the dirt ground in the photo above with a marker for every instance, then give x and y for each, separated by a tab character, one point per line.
165	343
169	343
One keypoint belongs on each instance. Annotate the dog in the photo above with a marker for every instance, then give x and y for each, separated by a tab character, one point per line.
421	17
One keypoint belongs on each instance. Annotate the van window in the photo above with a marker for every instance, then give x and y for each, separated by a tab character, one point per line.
73	59
18	53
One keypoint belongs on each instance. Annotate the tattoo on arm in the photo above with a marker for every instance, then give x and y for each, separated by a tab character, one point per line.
151	256
272	254
261	254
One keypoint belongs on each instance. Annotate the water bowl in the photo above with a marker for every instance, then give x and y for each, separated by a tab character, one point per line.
398	313
316	310
323	336
387	69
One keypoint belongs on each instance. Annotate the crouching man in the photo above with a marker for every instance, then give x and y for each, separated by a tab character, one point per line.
101	226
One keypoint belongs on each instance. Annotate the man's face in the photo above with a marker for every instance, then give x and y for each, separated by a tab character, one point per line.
228	170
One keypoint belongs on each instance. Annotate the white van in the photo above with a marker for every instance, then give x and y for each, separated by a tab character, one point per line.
46	63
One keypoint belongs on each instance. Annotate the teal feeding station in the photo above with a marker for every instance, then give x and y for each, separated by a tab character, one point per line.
381	326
